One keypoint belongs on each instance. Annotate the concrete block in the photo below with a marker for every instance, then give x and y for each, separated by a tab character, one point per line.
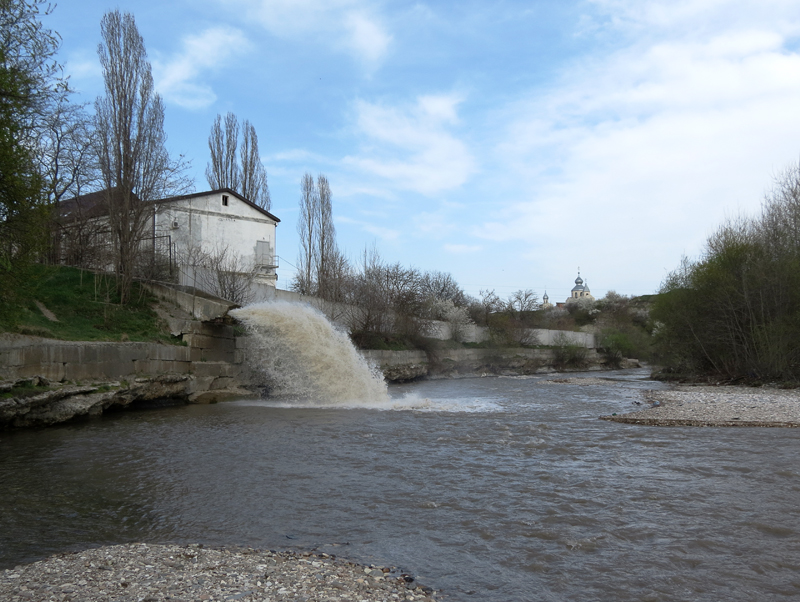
202	383
168	353
112	369
51	371
181	367
200	305
217	355
206	342
224	331
214	369
223	382
149	367
29	355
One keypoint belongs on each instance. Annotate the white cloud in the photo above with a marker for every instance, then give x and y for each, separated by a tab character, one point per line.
367	39
178	78
462	249
351	25
379	231
411	147
637	155
83	68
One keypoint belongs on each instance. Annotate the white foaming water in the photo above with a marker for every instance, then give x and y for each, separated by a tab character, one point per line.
306	359
408	402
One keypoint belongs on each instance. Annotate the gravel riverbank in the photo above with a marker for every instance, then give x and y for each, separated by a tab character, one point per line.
150	573
716	406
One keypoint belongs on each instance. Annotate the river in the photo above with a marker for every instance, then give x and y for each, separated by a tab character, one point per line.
491	489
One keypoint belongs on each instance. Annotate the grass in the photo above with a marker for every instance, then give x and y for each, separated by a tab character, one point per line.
86	306
26	390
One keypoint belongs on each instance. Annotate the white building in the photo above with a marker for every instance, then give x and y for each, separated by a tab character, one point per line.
216	222
196	236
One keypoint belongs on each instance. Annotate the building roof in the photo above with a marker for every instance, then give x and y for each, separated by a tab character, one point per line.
85	206
219	191
93	204
578	284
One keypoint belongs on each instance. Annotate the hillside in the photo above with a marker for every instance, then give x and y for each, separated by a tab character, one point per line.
78	305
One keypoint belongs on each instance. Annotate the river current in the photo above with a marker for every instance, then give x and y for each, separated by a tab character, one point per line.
490	489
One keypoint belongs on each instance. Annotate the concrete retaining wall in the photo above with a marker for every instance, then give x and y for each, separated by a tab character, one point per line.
409	365
346	314
213	357
200	305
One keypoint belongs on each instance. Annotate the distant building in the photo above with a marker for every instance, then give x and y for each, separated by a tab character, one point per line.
546	301
580	290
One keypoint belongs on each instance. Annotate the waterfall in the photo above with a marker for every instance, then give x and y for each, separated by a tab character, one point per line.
305	358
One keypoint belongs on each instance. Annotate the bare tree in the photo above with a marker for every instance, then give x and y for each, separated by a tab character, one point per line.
522	300
131	142
254	175
327	249
66	141
307	230
441	285
321	264
483	307
245	175
226	274
223	170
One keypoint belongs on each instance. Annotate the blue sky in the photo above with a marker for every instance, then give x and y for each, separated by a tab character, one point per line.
504	142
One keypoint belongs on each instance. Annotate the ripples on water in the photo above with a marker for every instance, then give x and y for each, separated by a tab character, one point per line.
493	489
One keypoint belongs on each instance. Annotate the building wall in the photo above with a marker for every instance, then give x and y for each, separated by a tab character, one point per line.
203	222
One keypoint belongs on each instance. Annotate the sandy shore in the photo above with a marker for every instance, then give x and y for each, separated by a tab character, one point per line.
716	406
151	573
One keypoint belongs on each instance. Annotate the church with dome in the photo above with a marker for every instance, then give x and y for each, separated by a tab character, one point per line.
580	290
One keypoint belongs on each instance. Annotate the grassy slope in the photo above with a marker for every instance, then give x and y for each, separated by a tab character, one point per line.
86	306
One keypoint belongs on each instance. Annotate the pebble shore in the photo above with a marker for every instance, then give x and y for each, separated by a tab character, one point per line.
152	573
716	406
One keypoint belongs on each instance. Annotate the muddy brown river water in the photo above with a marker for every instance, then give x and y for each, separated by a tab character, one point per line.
491	489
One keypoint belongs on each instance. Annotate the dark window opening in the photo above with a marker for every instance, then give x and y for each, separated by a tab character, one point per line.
224	200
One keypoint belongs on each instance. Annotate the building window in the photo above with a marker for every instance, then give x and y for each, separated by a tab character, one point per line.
224	200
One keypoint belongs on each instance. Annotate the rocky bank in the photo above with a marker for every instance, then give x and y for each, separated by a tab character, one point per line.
36	401
686	405
151	573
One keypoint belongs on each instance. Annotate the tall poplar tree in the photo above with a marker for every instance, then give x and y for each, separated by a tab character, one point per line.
131	143
247	175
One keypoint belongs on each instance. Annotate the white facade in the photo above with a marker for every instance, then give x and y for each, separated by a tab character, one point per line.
220	221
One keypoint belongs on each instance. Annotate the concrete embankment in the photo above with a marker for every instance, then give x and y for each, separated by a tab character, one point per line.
44	381
398	366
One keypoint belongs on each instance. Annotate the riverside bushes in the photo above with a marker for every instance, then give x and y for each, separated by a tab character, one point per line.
735	312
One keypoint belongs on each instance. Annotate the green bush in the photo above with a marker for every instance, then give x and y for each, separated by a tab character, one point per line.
568	355
735	313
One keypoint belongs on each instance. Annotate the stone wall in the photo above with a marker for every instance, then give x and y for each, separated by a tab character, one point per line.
448	363
344	314
201	306
212	357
